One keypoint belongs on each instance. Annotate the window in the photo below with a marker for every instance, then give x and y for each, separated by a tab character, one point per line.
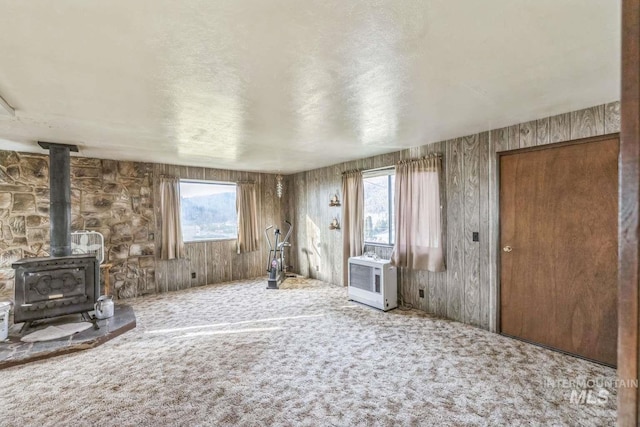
208	211
378	206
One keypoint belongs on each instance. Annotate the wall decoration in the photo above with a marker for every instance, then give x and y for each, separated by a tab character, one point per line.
335	224
279	186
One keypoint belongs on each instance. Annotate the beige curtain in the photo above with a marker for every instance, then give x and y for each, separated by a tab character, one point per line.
171	245
418	223
352	219
247	208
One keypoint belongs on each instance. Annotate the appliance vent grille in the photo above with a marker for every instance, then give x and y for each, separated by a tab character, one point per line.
361	277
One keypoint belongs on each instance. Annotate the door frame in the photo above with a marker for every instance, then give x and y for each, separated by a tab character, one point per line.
498	222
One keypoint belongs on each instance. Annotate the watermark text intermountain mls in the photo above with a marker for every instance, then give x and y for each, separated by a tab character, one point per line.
589	391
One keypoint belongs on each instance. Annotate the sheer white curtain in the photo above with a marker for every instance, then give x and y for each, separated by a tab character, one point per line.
247	207
418	222
352	218
171	244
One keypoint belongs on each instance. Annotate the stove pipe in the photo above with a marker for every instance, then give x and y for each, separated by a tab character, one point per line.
60	197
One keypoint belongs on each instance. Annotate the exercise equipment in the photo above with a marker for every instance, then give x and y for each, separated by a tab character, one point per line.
276	266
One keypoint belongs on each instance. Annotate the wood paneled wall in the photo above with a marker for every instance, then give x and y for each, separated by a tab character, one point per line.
467	291
217	261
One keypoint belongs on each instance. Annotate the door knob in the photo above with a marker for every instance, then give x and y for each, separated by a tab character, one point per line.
507	249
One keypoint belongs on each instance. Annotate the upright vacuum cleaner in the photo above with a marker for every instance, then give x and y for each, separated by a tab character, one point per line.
276	266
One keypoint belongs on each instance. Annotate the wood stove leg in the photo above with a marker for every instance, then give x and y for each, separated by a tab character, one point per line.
25	327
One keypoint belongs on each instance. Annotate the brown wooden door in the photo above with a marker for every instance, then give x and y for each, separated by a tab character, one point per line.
558	218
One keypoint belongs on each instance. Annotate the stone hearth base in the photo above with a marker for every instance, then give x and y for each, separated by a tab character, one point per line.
15	352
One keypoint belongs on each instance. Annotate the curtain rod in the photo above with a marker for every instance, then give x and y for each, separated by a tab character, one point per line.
380	168
428	156
351	171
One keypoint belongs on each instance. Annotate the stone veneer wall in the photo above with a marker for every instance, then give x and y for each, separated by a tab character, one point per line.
112	197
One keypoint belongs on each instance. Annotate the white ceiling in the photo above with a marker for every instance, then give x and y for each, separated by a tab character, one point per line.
291	85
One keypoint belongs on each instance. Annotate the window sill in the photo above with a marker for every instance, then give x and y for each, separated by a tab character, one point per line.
186	242
381	245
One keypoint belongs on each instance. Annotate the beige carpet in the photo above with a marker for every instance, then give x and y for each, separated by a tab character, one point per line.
239	354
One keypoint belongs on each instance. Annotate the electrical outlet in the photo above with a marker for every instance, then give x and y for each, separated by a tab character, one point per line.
421	293
476	236
193	275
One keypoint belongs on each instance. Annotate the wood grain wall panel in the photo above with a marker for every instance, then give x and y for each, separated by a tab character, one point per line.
496	144
406	299
432	292
315	235
321	236
383	252
424	280
214	273
184	277
336	179
467	291
216	261
174	275
587	122
238	265
161	277
514	137
500	138
227	253
416	285
294	201
528	134
319	209
455	230
484	246
471	264
560	128
542	131
440	281
196	254
325	219
302	211
288	214
404	280
429	281
612	117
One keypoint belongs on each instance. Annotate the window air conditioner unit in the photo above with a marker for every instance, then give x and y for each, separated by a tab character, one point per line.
373	282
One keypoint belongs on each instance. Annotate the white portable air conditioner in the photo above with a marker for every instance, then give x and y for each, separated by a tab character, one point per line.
373	282
88	242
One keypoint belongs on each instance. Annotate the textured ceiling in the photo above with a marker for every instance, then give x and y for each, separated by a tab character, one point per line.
290	85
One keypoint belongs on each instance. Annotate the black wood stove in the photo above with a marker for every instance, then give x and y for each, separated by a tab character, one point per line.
64	283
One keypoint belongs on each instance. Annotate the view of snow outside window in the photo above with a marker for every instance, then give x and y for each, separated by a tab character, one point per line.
378	209
208	211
